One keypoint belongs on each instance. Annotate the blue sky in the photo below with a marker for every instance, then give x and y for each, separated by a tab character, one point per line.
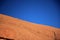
45	12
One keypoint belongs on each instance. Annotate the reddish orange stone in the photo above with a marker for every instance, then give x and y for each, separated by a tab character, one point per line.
17	29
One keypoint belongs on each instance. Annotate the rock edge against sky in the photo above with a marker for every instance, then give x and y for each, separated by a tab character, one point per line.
17	29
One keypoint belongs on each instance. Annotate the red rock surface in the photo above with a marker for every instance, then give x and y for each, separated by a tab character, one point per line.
17	29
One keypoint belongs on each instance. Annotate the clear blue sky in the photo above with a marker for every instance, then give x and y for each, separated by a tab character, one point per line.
45	12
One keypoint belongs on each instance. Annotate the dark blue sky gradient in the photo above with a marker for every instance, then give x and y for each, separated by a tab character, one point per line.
45	12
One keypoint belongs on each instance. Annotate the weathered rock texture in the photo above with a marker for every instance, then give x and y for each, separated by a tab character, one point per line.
17	29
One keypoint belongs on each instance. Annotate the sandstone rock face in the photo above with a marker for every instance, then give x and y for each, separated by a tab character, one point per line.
17	29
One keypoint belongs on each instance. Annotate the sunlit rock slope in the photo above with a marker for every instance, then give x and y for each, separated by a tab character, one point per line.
18	29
